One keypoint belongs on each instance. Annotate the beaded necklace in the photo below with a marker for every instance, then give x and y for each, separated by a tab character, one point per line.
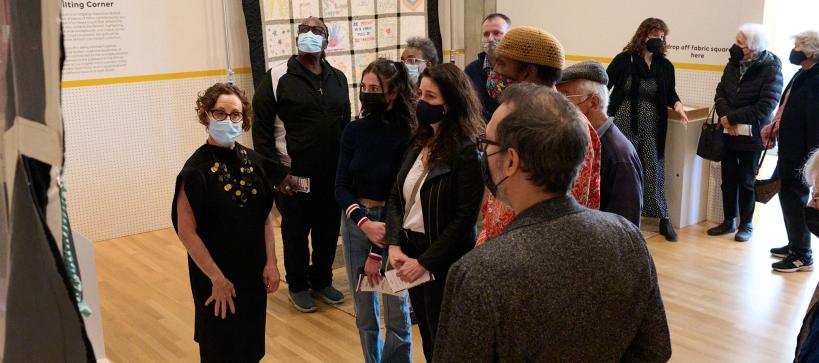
240	189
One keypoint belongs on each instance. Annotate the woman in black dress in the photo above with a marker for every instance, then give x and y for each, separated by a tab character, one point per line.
221	212
643	88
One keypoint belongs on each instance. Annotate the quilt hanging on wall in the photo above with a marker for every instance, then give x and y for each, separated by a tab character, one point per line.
360	31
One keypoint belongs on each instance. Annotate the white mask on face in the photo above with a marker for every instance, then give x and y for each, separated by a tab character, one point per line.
224	132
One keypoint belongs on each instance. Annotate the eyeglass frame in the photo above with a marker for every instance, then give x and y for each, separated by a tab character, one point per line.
228	116
304	28
483	144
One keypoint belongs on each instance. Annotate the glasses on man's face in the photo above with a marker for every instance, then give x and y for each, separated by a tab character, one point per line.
371	88
415	61
317	30
579	97
483	145
220	115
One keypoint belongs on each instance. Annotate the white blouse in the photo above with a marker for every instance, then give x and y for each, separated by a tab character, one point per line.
414	219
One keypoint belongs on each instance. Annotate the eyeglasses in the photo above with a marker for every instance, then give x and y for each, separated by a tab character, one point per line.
414	61
220	115
317	30
579	95
483	145
370	89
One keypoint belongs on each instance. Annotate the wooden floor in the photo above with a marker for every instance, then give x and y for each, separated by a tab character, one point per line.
723	302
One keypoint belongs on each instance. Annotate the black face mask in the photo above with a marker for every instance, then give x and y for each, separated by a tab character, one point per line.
654	45
736	53
429	114
487	175
812	220
797	58
373	103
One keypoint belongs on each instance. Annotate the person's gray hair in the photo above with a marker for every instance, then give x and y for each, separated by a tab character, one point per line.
545	130
595	88
756	37
809	42
426	46
811	170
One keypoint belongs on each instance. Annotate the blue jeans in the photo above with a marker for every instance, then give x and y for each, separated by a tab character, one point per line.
398	344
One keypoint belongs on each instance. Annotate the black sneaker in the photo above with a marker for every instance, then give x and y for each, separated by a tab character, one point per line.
667	230
723	228
793	263
745	233
780	252
302	301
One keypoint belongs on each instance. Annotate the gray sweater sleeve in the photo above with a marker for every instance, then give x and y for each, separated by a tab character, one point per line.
466	326
653	341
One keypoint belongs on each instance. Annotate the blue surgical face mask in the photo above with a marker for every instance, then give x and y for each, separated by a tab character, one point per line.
224	132
414	72
310	43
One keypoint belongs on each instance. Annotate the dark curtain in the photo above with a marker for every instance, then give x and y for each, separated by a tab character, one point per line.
255	39
43	323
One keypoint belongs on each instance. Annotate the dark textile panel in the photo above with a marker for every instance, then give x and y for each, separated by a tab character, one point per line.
434	27
43	323
255	39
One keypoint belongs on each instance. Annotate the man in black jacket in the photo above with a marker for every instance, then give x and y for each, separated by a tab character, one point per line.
494	28
745	100
302	106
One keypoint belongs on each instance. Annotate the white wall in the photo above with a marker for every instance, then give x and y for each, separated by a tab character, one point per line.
129	131
598	29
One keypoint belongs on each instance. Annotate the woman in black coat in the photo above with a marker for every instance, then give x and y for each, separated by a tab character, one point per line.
432	210
745	100
643	87
796	125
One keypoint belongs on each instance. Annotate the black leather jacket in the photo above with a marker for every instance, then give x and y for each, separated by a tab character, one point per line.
451	197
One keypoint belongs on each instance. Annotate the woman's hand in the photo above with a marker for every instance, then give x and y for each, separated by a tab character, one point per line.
372	269
288	185
681	110
411	270
375	232
222	294
397	257
724	122
733	130
271	277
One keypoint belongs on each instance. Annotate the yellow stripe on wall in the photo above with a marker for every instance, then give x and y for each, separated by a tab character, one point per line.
152	77
678	65
447	52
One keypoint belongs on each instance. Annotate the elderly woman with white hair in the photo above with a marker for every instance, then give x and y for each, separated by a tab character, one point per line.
796	125
745	101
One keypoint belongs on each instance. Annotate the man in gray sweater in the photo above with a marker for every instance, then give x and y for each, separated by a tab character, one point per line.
562	283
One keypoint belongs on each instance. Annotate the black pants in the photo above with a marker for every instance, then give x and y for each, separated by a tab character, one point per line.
315	214
426	299
738	175
793	197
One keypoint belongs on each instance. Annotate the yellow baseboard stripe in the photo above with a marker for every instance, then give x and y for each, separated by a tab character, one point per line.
152	77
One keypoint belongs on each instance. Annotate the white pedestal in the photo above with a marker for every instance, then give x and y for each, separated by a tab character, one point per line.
686	174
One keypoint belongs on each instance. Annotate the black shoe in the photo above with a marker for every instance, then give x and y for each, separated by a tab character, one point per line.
745	233
793	263
667	230
723	228
780	252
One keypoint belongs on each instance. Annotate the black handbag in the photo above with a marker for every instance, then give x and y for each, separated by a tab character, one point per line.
712	142
766	189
